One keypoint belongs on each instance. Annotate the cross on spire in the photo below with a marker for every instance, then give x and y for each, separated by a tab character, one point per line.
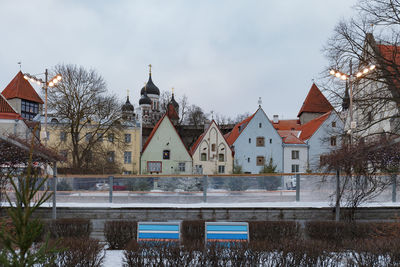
150	68
172	90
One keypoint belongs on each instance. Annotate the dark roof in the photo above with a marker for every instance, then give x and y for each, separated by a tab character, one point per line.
21	88
127	106
315	102
150	88
173	102
145	100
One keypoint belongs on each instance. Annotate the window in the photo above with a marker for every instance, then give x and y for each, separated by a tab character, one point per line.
100	137
29	109
260	141
181	166
63	136
248	160
221	157
249	140
333	141
166	154
111	137
221	169
154	166
260	161
127	138
295	154
333	123
127	157
203	157
260	125
270	141
110	156
212	147
198	169
295	168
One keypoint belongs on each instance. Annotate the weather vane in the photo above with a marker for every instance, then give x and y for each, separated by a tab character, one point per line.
20	64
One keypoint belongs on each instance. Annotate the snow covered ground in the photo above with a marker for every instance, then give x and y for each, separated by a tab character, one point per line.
113	258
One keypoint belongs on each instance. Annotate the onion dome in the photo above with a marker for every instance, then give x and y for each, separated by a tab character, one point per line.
127	106
174	103
145	100
150	86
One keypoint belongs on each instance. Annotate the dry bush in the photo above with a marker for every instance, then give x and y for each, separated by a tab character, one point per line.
193	232
273	231
80	252
70	227
119	233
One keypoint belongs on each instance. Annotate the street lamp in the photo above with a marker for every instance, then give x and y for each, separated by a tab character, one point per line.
352	78
46	83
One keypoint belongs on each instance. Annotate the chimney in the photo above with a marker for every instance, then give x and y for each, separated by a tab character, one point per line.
276	119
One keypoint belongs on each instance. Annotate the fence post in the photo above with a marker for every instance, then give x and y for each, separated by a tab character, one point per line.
394	187
337	209
205	185
297	187
54	208
111	185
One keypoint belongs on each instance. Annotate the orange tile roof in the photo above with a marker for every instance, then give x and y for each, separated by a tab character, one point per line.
315	102
391	61
287	124
171	112
309	128
21	88
290	137
6	111
234	134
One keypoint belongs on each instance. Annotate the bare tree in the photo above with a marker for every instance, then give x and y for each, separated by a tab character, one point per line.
372	37
196	116
361	168
85	111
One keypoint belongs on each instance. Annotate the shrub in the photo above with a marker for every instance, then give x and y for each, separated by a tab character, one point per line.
81	252
119	233
193	231
71	227
273	231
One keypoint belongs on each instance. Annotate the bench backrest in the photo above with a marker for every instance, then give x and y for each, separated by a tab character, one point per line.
159	231
227	232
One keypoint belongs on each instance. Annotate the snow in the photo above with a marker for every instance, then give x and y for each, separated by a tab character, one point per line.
113	258
214	205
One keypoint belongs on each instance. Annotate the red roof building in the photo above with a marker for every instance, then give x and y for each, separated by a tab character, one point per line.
314	105
6	111
19	87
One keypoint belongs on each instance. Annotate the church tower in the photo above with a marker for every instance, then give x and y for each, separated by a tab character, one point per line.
150	101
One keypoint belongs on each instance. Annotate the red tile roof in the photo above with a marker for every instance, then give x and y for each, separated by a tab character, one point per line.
6	111
309	128
315	102
391	61
287	124
21	88
290	137
238	129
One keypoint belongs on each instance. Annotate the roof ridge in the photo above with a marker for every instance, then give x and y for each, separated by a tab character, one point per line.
315	102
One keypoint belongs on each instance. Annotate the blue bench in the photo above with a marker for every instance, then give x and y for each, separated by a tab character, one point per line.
227	232
159	231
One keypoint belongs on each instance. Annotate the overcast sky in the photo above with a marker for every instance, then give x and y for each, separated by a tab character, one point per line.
222	55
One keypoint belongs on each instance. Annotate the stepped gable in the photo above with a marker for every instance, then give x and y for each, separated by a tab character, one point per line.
315	102
6	111
238	129
198	141
309	128
21	88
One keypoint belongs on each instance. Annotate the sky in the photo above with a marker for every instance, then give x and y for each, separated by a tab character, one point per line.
223	55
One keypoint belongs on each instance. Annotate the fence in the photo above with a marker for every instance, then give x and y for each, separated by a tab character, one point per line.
231	190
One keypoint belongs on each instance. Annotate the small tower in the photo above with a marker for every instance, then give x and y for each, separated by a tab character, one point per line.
145	106
127	109
173	102
153	93
172	109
